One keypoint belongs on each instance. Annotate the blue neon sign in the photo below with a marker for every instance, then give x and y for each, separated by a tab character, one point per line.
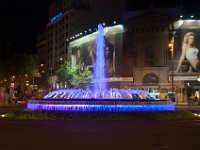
56	17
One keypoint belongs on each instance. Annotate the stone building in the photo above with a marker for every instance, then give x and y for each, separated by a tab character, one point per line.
150	34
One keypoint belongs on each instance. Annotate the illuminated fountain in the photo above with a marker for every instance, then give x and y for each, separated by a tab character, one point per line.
99	71
127	94
100	99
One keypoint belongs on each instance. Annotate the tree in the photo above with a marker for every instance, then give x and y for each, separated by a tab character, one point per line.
80	78
15	63
17	67
27	70
65	73
31	65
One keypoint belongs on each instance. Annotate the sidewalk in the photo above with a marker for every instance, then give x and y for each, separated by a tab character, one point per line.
5	107
181	104
184	106
5	103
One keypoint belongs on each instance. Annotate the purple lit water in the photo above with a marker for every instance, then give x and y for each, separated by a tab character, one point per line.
106	106
99	70
105	94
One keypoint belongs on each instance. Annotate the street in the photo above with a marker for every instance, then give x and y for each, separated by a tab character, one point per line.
98	135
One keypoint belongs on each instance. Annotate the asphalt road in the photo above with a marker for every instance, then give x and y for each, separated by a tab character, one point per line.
99	135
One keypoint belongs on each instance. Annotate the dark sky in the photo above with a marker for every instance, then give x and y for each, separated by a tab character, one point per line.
22	19
20	22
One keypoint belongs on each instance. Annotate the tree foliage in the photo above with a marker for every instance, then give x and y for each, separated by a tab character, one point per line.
76	76
18	67
13	63
65	73
82	77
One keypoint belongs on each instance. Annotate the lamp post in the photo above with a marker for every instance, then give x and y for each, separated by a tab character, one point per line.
198	79
171	45
33	79
51	75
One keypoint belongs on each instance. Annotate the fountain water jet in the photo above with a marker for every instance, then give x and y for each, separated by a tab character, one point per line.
100	99
99	71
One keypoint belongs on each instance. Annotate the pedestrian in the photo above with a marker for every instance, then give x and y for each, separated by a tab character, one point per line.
9	99
192	99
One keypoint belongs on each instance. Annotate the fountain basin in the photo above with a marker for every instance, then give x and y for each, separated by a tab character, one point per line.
100	99
128	94
105	105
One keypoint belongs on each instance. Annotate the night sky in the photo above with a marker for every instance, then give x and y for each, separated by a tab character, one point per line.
22	19
20	22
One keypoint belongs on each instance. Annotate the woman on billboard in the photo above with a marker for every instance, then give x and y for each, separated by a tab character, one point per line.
190	52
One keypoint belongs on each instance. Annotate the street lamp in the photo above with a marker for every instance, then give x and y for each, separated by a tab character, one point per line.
12	79
198	79
51	75
41	65
61	59
171	46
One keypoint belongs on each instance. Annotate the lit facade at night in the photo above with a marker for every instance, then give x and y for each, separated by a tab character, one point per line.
141	57
67	19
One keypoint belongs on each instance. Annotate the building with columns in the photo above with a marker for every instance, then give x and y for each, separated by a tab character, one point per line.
150	36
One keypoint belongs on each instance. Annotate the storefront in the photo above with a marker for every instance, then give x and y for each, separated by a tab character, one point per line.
152	79
185	85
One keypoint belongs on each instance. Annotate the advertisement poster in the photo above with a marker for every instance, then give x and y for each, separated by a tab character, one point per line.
187	48
83	50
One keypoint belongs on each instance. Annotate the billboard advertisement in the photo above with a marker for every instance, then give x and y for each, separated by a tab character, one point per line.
83	50
187	48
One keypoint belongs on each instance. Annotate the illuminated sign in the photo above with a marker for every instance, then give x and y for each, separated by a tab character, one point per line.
56	17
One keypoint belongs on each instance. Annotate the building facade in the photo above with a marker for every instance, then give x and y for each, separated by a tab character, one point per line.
141	57
150	36
69	19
